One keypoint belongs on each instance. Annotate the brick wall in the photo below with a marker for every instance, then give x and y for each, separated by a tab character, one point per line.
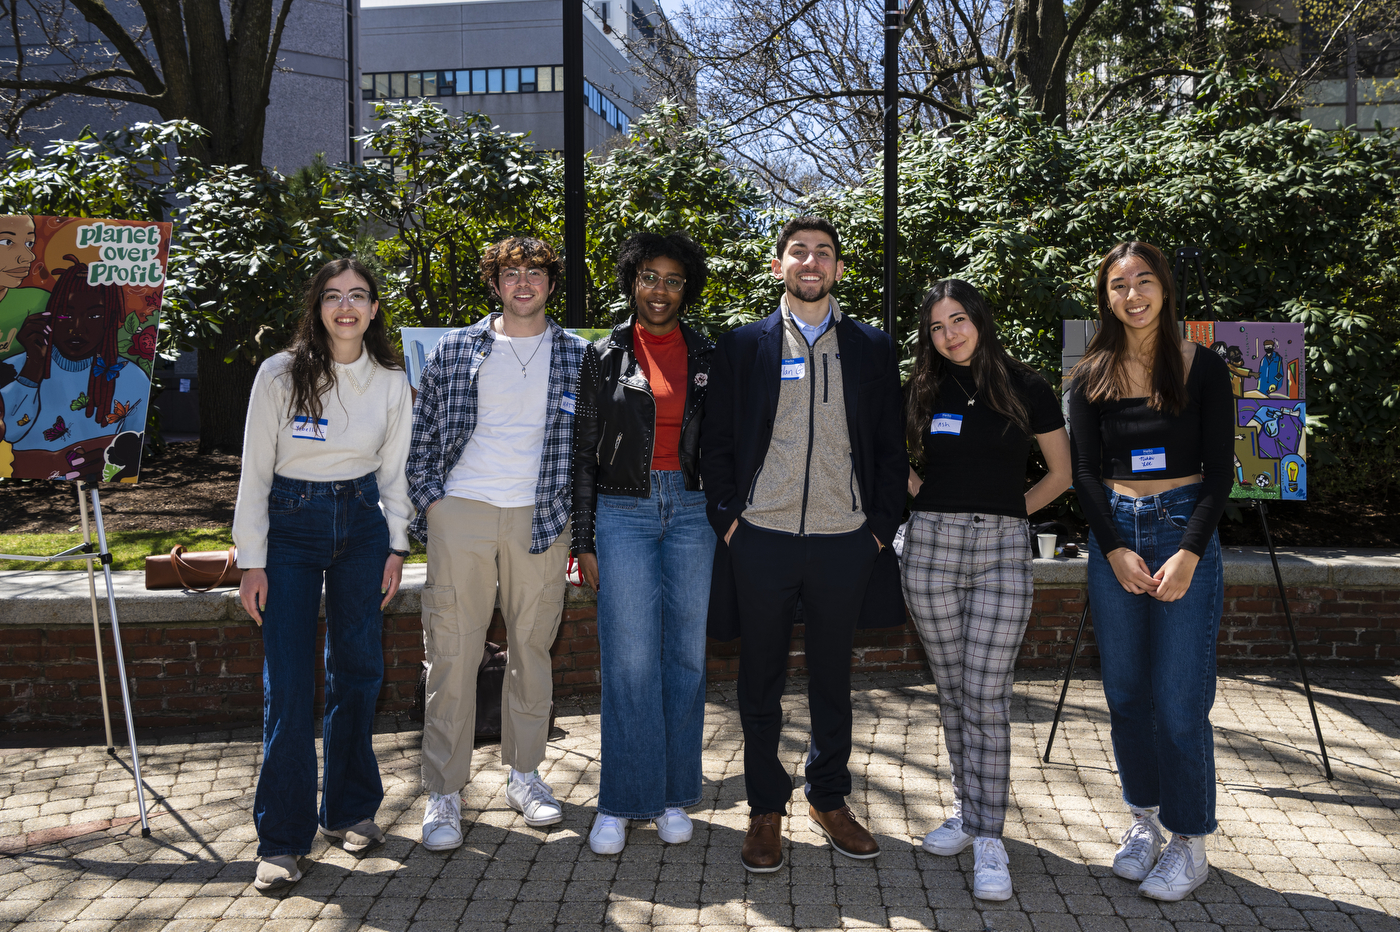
208	673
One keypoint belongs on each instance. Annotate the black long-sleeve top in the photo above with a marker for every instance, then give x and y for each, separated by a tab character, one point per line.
1126	439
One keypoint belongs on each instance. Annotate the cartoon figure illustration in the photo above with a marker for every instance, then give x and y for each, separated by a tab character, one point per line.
16	259
1267	418
1270	371
70	354
1234	361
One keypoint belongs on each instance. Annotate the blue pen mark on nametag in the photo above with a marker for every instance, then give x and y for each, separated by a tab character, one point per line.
1150	459
946	424
569	403
794	368
304	429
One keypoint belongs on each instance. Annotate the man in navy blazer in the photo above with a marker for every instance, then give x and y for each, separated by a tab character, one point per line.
804	472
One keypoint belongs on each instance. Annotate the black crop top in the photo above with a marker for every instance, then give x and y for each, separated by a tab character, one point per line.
978	464
1126	439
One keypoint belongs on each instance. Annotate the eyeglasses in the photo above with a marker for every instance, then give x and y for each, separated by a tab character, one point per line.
358	299
673	284
532	276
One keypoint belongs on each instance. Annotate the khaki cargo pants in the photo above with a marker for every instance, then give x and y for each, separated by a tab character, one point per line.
472	546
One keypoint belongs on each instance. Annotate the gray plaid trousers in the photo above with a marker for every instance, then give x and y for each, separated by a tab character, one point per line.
968	583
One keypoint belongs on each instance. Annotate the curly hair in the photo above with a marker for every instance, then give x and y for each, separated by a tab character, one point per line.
678	247
72	286
516	252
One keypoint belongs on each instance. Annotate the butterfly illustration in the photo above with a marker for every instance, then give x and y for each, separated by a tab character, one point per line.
100	368
77	404
119	412
58	431
24	420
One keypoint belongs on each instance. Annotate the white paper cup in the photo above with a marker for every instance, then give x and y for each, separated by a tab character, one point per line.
1047	546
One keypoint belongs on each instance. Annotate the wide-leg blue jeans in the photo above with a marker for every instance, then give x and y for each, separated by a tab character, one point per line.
654	557
330	533
1158	661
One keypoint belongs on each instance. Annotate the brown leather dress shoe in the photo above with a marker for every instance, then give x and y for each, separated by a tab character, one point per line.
763	845
843	831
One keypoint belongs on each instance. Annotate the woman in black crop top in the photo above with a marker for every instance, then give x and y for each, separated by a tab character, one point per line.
1152	430
970	413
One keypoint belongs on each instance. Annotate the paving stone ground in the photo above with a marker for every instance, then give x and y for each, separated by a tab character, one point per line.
1294	851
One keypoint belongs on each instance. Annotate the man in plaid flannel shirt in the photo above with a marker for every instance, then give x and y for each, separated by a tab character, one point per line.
489	472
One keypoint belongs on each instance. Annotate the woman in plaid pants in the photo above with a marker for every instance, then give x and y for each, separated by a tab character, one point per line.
970	413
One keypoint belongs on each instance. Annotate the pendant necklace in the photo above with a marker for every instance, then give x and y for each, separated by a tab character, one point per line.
971	399
511	343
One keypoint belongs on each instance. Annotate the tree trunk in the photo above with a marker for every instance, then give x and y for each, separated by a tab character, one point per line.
224	389
1040	31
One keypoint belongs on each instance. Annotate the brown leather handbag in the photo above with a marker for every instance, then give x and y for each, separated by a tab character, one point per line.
199	571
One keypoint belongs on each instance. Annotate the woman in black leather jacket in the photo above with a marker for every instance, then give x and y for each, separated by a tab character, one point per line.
642	539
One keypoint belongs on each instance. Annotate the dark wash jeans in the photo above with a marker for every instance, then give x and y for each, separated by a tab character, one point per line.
331	533
829	573
1158	661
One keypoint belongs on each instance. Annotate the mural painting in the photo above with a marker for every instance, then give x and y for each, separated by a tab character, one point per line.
79	317
1269	381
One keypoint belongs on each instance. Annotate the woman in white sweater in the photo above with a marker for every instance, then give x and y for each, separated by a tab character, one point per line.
323	501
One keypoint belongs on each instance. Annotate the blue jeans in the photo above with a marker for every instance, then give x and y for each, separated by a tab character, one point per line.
1158	661
654	557
331	532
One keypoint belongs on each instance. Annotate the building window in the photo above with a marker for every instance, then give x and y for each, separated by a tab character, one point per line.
527	80
493	81
366	87
415	84
542	79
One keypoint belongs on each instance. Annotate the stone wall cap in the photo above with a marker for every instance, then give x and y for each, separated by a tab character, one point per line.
39	598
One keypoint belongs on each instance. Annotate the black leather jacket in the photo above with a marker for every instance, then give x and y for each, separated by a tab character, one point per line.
615	423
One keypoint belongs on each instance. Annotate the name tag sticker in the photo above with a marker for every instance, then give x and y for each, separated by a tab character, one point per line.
304	429
567	405
794	368
946	424
1150	460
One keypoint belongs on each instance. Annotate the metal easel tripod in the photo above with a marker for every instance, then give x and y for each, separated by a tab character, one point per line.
1193	255
85	552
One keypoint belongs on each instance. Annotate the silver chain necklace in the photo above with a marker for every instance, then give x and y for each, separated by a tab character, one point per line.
971	399
510	341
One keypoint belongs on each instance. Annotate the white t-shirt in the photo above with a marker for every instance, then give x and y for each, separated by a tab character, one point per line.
500	464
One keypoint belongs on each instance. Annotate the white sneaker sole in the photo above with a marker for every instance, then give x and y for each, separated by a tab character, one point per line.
947	850
992	895
612	847
536	823
1173	895
443	846
672	838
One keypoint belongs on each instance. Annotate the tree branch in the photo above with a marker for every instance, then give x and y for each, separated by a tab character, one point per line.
277	44
1057	70
1316	66
1145	76
871	92
96	13
72	87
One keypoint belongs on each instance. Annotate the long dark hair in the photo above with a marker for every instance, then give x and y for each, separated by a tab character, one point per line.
991	367
72	281
311	372
1102	375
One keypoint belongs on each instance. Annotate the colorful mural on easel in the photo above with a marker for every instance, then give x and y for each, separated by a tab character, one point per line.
79	317
1269	380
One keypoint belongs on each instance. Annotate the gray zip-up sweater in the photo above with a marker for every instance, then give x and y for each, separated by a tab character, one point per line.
807	483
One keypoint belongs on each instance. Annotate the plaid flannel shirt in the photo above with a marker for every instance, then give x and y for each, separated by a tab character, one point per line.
444	418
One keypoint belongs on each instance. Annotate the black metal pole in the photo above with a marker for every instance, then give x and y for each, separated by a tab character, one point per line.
575	204
1064	688
892	31
1288	614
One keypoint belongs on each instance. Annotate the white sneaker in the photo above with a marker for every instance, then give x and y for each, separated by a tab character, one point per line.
991	879
442	822
609	835
1181	869
531	797
1141	843
673	826
948	839
279	870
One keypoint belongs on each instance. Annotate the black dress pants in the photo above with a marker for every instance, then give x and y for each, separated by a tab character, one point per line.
829	573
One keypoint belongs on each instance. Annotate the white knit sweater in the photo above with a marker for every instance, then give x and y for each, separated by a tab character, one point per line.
365	431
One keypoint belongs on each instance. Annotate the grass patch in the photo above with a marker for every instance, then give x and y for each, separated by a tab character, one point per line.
129	548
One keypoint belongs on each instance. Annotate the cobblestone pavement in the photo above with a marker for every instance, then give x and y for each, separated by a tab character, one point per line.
1294	850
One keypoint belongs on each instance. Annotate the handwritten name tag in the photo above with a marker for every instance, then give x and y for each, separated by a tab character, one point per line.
1150	460
569	402
303	428
946	424
794	368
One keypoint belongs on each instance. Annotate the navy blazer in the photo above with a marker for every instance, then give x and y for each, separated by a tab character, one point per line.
738	426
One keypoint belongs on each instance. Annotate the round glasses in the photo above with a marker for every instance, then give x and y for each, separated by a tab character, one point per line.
673	284
531	276
357	299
